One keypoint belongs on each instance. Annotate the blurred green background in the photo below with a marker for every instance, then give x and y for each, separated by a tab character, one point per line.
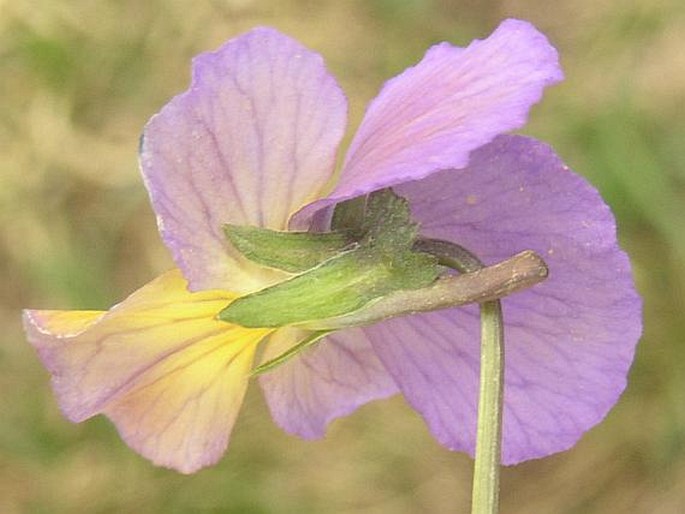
78	79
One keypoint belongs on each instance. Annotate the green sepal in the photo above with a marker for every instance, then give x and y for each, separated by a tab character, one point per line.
348	217
288	251
387	225
338	286
308	341
382	262
381	219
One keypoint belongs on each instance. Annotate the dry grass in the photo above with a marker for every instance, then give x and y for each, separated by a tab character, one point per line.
79	79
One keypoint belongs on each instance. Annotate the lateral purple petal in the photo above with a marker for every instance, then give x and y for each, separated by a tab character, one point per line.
569	341
431	117
326	382
253	139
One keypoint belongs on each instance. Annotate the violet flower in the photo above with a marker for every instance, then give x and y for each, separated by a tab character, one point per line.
254	142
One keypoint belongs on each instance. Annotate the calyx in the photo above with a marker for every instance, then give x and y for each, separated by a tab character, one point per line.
368	254
371	266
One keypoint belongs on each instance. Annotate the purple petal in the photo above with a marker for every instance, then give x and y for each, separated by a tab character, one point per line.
455	100
326	382
253	139
569	341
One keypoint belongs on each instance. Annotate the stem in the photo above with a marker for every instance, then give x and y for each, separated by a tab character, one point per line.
485	496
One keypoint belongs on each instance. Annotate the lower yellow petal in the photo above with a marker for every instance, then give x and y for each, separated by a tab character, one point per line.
159	364
181	412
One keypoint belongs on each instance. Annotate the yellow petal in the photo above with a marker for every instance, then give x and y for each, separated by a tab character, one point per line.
159	364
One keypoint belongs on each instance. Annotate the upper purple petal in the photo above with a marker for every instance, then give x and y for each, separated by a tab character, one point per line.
569	341
455	100
253	139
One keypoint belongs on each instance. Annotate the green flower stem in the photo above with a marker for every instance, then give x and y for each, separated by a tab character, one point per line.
485	495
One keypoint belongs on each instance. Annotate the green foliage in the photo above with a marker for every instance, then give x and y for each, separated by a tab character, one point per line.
52	59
